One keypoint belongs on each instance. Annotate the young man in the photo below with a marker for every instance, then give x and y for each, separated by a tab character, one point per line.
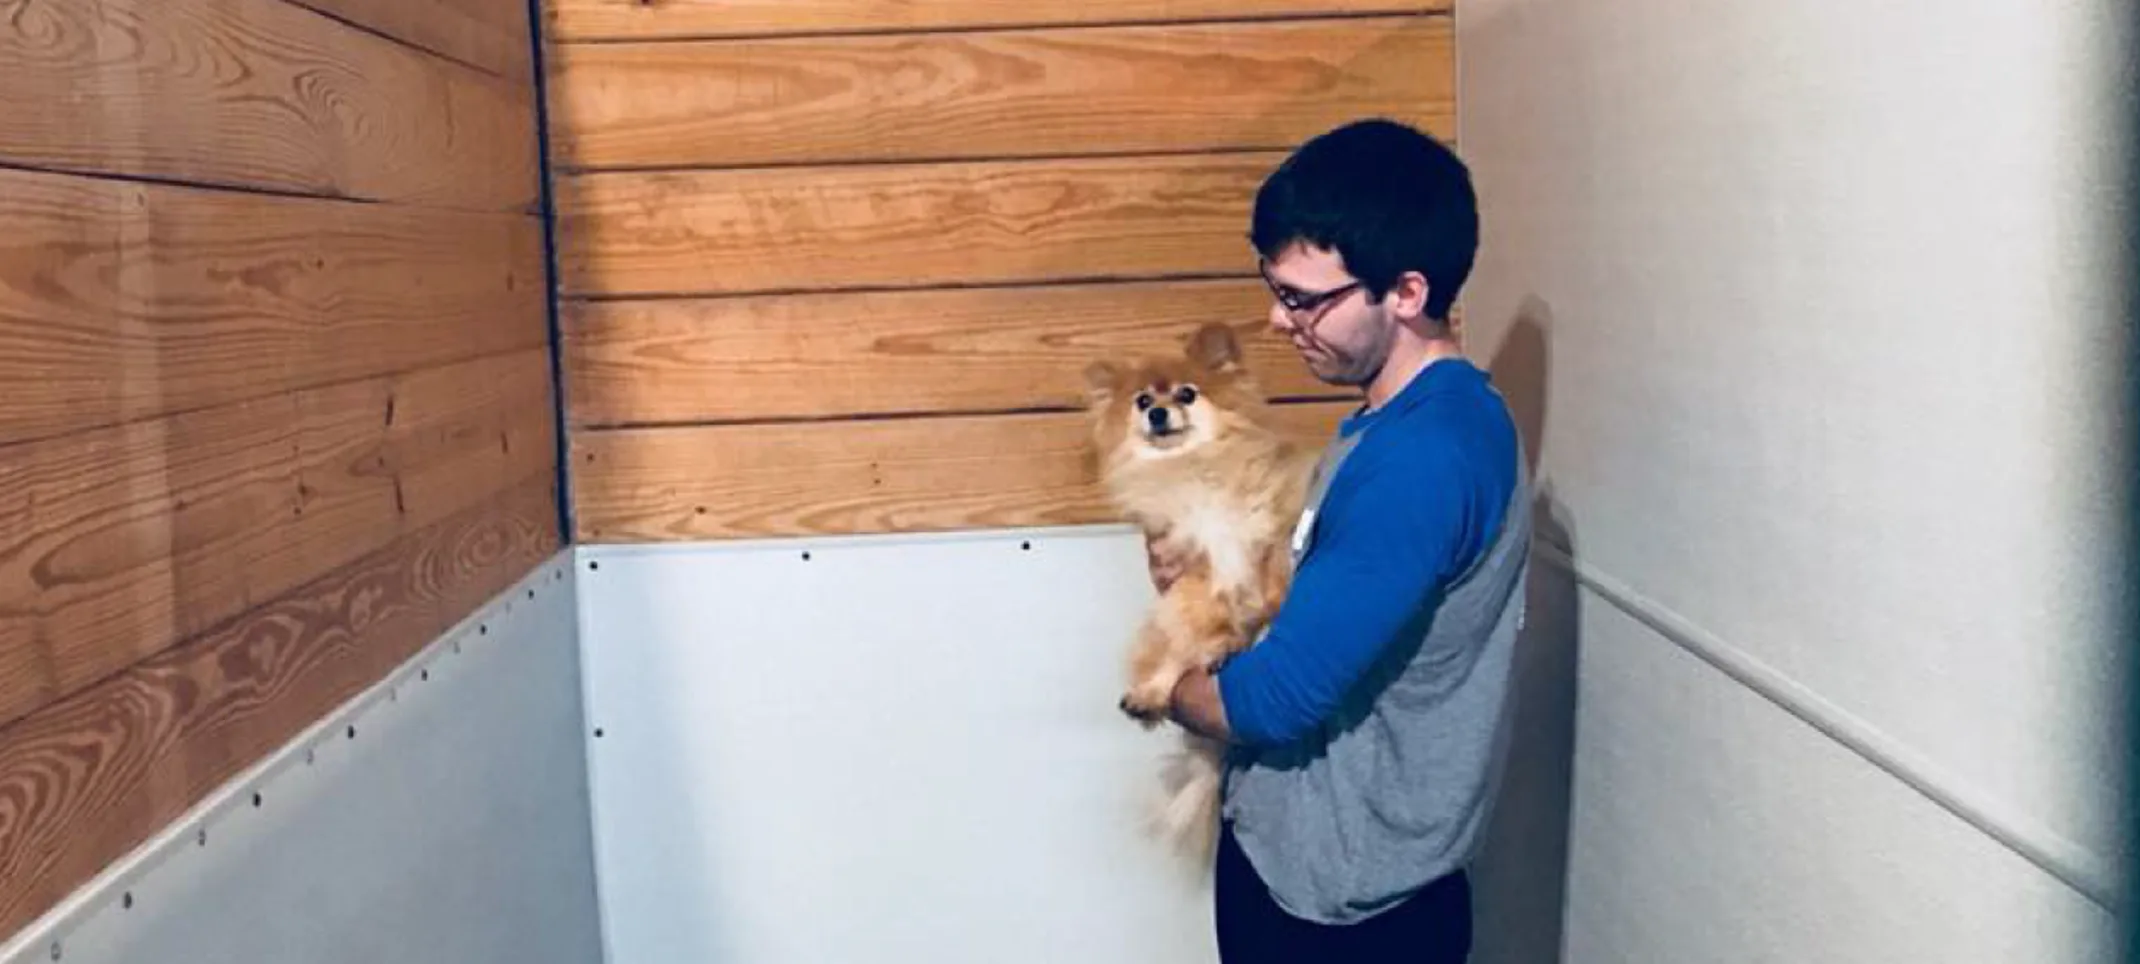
1367	724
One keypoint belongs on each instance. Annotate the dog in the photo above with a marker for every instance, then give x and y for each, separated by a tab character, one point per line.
1188	453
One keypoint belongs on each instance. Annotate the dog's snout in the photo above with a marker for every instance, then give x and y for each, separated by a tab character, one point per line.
1157	416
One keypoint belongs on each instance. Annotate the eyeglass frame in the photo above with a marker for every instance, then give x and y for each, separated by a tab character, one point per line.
1307	308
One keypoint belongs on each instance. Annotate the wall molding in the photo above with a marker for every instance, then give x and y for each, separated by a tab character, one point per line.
2092	874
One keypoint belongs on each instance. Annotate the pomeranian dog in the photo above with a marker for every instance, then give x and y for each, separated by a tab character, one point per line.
1188	453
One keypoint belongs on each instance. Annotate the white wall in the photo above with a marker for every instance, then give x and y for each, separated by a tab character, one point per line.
1814	308
450	828
877	750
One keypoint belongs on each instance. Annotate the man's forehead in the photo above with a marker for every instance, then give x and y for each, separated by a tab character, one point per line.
1306	266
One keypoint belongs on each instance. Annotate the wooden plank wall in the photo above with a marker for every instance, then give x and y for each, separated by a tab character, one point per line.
822	261
275	394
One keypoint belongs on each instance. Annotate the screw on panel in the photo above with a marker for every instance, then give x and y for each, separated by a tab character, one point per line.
200	837
55	950
126	901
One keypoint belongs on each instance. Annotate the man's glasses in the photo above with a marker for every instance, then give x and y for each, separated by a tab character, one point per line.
1303	304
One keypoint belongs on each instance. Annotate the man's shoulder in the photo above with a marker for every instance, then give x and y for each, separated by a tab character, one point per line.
1439	473
1468	432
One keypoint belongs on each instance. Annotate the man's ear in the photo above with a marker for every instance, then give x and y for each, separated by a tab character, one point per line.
1408	297
1102	380
1215	346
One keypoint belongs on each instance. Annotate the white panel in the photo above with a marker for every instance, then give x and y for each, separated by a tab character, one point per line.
1711	826
451	828
882	749
1822	315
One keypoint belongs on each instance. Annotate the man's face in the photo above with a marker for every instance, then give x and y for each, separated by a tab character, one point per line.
1342	335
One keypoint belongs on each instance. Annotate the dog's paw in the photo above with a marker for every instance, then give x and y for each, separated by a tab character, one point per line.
1142	711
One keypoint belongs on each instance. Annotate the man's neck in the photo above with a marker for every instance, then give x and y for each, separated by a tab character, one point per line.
1408	357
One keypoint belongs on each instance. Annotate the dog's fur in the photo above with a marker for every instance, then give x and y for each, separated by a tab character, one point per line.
1214	480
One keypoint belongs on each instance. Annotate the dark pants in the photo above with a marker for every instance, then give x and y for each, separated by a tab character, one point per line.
1433	926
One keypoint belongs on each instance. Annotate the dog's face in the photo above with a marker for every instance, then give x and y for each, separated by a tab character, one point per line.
1167	406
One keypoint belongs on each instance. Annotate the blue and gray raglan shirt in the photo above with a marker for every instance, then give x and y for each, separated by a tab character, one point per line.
1369	718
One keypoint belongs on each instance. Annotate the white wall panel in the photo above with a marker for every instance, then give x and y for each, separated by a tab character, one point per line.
438	820
883	749
1710	825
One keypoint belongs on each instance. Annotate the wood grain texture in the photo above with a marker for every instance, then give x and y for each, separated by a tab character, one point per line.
259	93
116	544
84	781
894	352
593	19
786	229
898	475
1236	86
490	34
121	301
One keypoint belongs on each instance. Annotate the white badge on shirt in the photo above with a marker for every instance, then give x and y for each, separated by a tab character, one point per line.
1302	528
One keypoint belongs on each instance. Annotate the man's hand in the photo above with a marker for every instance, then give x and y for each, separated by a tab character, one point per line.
1165	557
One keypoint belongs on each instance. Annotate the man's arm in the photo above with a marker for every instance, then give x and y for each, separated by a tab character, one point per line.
1197	707
1384	546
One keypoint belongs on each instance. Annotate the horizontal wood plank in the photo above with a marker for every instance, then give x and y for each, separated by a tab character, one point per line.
1236	86
84	781
490	34
116	544
787	229
260	93
597	19
894	352
121	301
817	478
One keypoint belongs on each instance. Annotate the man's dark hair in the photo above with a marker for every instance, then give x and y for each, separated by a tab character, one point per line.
1386	197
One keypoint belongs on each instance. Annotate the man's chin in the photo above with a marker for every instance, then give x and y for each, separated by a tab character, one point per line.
1330	371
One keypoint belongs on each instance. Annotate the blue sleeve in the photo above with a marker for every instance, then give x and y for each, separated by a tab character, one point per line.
1383	546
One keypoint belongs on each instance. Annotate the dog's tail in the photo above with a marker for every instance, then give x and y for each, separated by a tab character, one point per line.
1187	818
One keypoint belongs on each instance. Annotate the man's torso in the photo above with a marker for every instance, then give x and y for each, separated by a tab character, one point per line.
1396	792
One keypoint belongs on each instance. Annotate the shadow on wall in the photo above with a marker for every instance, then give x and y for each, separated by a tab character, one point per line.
1521	875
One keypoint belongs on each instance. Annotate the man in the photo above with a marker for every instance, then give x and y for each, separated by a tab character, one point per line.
1367	725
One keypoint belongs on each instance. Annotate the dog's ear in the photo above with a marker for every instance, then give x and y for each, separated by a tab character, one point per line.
1102	380
1215	346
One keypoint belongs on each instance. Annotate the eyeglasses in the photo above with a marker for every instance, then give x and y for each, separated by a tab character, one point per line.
1303	305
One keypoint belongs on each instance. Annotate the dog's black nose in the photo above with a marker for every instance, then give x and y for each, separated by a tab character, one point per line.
1158	417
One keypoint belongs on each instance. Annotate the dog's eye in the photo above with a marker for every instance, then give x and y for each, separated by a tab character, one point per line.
1186	395
1144	401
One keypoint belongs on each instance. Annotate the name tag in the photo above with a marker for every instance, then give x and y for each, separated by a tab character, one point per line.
1301	529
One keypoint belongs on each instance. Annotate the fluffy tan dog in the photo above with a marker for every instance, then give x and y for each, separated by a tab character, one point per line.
1188	452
